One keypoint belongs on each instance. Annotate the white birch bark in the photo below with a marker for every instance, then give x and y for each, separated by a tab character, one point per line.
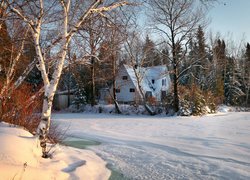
50	86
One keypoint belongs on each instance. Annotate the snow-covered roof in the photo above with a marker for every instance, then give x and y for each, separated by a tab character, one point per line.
146	75
65	92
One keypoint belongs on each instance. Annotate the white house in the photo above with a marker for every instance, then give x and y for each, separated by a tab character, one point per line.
154	82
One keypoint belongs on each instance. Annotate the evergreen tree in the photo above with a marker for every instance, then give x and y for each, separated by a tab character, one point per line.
165	56
82	76
219	58
197	59
151	56
202	68
247	60
192	74
80	97
232	83
201	43
246	75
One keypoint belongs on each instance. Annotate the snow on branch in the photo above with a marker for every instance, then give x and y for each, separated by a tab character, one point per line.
108	8
83	18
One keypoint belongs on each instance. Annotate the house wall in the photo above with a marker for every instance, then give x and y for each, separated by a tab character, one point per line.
125	85
61	101
157	87
105	97
157	92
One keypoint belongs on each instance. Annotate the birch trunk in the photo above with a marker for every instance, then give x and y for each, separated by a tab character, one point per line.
51	86
66	34
50	89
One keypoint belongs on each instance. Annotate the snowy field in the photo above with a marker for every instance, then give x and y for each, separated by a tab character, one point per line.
143	147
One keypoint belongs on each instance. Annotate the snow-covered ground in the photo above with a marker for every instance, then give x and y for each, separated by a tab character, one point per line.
143	147
20	158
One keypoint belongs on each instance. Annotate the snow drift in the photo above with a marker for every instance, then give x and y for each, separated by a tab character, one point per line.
20	158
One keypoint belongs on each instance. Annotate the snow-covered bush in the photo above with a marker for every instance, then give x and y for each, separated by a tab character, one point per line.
80	98
168	104
210	102
194	101
198	102
185	108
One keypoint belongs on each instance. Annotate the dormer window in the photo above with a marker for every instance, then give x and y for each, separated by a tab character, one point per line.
131	90
117	90
164	82
153	81
124	77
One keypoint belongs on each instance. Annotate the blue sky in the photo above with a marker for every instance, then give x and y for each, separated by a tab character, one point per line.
231	17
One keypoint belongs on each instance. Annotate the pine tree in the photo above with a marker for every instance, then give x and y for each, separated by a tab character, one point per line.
202	69
80	97
247	62
246	74
198	60
165	56
232	83
219	58
151	56
201	43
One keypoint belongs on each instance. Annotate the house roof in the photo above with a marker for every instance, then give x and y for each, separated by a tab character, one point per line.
146	75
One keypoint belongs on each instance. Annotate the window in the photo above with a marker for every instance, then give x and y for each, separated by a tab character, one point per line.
117	90
164	83
124	77
163	95
131	90
153	81
148	94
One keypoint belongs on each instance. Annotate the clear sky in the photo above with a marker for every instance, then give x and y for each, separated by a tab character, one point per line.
231	17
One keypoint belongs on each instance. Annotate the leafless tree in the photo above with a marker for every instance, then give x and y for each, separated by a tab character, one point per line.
136	56
177	20
14	68
59	20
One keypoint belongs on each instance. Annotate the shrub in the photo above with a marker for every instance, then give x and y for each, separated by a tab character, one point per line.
151	100
198	101
194	101
18	110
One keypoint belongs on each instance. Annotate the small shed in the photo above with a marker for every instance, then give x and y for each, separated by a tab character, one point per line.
63	99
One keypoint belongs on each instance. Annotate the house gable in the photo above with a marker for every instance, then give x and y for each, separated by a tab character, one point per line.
127	91
154	81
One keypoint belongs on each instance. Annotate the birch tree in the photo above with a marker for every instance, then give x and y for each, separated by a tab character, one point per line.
110	50
63	18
